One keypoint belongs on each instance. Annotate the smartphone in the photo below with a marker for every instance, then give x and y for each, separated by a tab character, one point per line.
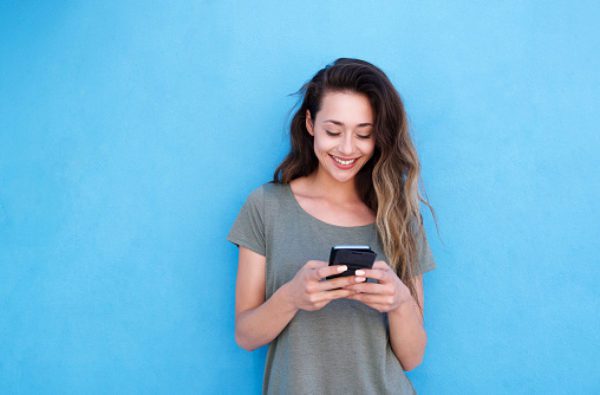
354	256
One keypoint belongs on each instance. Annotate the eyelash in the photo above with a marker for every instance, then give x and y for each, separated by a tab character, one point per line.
332	134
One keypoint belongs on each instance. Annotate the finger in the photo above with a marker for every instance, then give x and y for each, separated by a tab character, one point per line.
377	306
377	274
372	299
314	264
330	271
369	288
331	295
339	282
381	265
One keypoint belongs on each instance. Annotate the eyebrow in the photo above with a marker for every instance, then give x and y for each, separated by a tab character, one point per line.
342	124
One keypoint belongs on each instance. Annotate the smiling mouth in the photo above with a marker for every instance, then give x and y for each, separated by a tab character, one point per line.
344	162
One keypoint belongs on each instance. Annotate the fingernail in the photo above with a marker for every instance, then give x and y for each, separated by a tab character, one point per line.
360	273
342	269
360	279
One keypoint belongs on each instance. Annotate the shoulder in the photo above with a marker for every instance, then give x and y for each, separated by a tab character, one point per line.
267	196
269	192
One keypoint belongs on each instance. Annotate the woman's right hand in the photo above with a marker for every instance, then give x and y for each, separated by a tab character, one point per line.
309	293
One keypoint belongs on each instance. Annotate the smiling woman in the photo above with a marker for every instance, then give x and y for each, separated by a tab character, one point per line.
345	146
351	178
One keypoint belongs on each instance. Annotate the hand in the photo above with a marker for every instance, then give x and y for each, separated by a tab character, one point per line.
307	290
385	296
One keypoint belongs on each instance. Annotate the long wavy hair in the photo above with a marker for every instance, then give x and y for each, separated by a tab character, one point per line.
389	182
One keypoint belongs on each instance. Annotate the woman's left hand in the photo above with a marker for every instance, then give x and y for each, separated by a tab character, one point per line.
389	294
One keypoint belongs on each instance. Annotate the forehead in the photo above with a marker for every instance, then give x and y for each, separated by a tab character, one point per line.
350	108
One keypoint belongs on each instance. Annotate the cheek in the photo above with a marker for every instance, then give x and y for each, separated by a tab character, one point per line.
321	146
368	148
317	147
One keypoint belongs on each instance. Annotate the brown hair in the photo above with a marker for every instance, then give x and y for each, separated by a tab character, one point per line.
389	182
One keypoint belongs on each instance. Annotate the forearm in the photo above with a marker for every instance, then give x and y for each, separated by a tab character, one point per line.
407	335
259	326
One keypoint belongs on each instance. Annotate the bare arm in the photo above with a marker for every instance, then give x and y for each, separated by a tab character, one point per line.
258	322
407	335
392	296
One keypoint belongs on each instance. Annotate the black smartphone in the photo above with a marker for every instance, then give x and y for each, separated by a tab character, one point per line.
354	256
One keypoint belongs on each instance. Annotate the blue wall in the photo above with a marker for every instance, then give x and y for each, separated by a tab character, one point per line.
131	134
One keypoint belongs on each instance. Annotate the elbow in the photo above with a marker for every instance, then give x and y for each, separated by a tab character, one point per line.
243	342
410	365
416	359
242	339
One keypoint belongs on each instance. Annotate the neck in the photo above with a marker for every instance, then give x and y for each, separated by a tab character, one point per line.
332	189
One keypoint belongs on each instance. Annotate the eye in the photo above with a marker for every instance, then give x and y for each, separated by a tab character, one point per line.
333	134
364	137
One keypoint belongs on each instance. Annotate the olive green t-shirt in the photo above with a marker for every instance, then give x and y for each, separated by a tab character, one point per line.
343	348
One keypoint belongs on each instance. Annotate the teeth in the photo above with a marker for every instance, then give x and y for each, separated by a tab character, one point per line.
344	162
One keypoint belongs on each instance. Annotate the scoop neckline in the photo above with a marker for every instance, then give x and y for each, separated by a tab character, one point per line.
315	219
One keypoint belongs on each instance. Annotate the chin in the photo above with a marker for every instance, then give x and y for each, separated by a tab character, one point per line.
342	177
343	180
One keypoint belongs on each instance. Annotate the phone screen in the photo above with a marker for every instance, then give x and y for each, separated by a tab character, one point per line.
354	256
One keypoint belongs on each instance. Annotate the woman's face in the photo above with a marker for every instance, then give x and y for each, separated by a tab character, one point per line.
343	134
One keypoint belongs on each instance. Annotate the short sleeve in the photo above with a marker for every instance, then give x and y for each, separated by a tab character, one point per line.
425	257
248	230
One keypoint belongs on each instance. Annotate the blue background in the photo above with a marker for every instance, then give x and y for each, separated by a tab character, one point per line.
131	134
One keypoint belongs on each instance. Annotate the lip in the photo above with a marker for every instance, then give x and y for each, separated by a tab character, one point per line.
342	158
343	167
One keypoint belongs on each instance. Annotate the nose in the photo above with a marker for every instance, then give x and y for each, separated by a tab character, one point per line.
346	145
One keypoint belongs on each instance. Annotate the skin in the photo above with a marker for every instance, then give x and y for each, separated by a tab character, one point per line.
343	129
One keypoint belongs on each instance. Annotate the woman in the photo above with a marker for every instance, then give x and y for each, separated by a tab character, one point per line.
351	178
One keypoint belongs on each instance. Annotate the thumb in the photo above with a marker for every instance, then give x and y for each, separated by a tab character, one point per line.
314	264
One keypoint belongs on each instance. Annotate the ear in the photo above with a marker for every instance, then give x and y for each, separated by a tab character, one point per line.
309	124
